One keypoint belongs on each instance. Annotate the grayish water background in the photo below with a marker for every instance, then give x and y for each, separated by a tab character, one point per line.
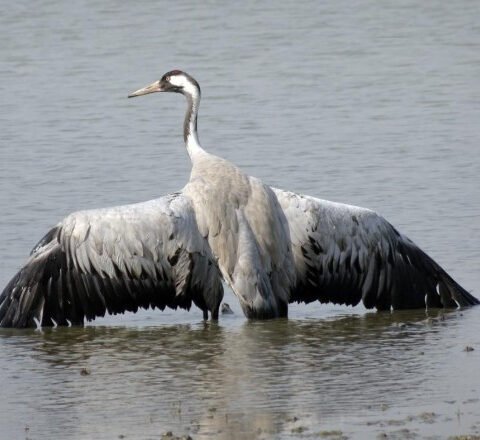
374	104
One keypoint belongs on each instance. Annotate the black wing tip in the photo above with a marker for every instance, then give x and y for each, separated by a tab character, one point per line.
457	293
16	307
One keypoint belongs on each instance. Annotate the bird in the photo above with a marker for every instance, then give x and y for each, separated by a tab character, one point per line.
272	247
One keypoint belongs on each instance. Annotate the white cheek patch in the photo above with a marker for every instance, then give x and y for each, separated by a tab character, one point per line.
190	88
182	81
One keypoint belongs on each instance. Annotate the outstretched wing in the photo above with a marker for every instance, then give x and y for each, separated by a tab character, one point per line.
116	259
344	254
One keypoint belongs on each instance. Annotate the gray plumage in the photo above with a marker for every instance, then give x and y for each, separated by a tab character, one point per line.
272	247
144	255
345	254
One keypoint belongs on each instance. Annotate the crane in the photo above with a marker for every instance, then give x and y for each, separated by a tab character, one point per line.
272	247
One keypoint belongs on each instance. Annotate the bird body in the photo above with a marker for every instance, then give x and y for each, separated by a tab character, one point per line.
272	247
247	232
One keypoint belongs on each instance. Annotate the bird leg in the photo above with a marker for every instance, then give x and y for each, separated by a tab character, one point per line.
214	316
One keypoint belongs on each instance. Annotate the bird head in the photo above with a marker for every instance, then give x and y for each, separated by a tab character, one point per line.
173	81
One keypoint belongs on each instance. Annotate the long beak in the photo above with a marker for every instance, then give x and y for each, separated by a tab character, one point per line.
152	88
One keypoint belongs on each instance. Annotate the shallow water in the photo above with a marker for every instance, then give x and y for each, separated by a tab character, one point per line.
374	105
358	374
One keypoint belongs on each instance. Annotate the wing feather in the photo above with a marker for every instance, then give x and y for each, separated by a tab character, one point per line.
345	254
115	260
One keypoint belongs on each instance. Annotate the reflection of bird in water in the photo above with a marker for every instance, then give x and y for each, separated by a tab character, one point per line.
226	309
272	247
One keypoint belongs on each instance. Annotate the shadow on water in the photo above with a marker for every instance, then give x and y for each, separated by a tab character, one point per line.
207	378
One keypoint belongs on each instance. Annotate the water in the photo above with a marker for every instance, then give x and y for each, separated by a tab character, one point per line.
374	105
